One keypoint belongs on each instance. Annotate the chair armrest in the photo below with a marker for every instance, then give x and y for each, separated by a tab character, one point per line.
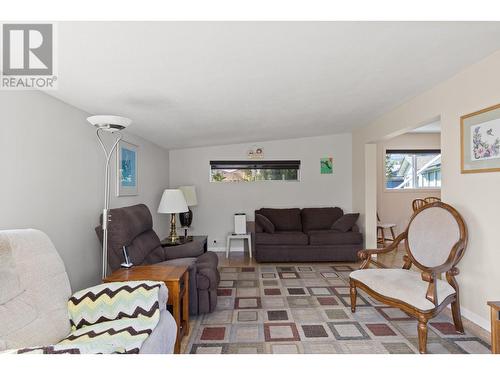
366	254
100	303
431	293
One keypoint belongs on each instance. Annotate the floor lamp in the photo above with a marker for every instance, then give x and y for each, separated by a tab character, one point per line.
109	124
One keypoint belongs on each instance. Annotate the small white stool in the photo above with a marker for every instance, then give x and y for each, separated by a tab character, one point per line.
234	236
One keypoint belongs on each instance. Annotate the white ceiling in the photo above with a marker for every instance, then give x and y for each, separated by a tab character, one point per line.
188	84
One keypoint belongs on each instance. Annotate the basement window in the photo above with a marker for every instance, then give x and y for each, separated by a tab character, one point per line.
412	169
252	171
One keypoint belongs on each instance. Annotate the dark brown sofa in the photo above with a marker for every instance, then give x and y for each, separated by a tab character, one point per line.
133	227
305	235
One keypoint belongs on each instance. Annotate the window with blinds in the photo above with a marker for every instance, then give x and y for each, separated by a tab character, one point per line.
251	170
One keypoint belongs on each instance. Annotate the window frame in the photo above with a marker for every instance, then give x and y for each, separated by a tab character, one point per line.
292	164
411	151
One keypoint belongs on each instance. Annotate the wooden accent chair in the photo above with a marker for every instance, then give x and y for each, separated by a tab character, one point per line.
435	241
417	204
381	239
432	199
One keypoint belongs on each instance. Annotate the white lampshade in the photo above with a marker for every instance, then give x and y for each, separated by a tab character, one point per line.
190	194
172	202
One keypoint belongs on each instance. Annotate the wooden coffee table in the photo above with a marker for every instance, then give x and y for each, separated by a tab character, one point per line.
176	278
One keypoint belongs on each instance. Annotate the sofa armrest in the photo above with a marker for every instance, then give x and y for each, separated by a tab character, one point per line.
112	301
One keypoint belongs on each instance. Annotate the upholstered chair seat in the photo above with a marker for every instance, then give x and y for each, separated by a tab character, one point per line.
403	285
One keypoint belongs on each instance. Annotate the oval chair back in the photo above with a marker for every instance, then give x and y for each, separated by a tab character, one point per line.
437	237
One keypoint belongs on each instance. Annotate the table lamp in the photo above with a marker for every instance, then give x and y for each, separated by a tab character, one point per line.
186	218
172	202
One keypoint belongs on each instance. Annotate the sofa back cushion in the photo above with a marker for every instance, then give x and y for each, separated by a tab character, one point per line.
284	219
132	227
36	314
320	218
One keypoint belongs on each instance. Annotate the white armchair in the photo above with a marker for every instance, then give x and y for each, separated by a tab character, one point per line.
34	294
435	241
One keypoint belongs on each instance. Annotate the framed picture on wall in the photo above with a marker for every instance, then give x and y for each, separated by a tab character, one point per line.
127	164
480	141
326	165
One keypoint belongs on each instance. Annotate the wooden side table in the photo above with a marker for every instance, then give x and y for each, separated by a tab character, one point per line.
176	278
193	243
495	326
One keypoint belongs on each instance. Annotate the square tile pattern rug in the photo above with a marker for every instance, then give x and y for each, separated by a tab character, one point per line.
305	308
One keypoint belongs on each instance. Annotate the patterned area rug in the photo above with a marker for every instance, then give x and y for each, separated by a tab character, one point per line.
305	308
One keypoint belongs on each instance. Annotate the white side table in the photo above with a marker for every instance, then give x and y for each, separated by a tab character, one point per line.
234	236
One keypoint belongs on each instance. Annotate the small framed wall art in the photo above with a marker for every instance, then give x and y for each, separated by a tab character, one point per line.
326	165
480	141
127	164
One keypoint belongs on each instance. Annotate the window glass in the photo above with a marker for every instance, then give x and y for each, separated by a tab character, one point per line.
412	169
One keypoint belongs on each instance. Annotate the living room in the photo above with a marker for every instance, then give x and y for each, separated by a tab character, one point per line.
250	187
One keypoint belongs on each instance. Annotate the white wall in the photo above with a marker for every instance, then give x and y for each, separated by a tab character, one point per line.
394	206
217	202
474	195
52	177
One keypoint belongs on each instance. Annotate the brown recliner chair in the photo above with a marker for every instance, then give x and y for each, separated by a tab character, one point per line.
133	227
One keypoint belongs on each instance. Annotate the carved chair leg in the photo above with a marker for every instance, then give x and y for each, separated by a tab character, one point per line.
354	294
457	317
422	336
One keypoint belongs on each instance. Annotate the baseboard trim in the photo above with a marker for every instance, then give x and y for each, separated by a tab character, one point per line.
476	319
217	249
223	250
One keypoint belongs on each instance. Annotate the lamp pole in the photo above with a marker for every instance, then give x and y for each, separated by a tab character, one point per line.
109	124
105	211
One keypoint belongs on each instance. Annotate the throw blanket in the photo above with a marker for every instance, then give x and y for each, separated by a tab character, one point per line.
108	318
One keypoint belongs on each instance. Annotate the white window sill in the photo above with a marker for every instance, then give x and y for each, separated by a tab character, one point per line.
413	191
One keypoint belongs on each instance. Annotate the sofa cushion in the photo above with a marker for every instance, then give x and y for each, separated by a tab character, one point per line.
10	286
284	219
345	223
282	238
319	218
333	237
39	315
265	223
